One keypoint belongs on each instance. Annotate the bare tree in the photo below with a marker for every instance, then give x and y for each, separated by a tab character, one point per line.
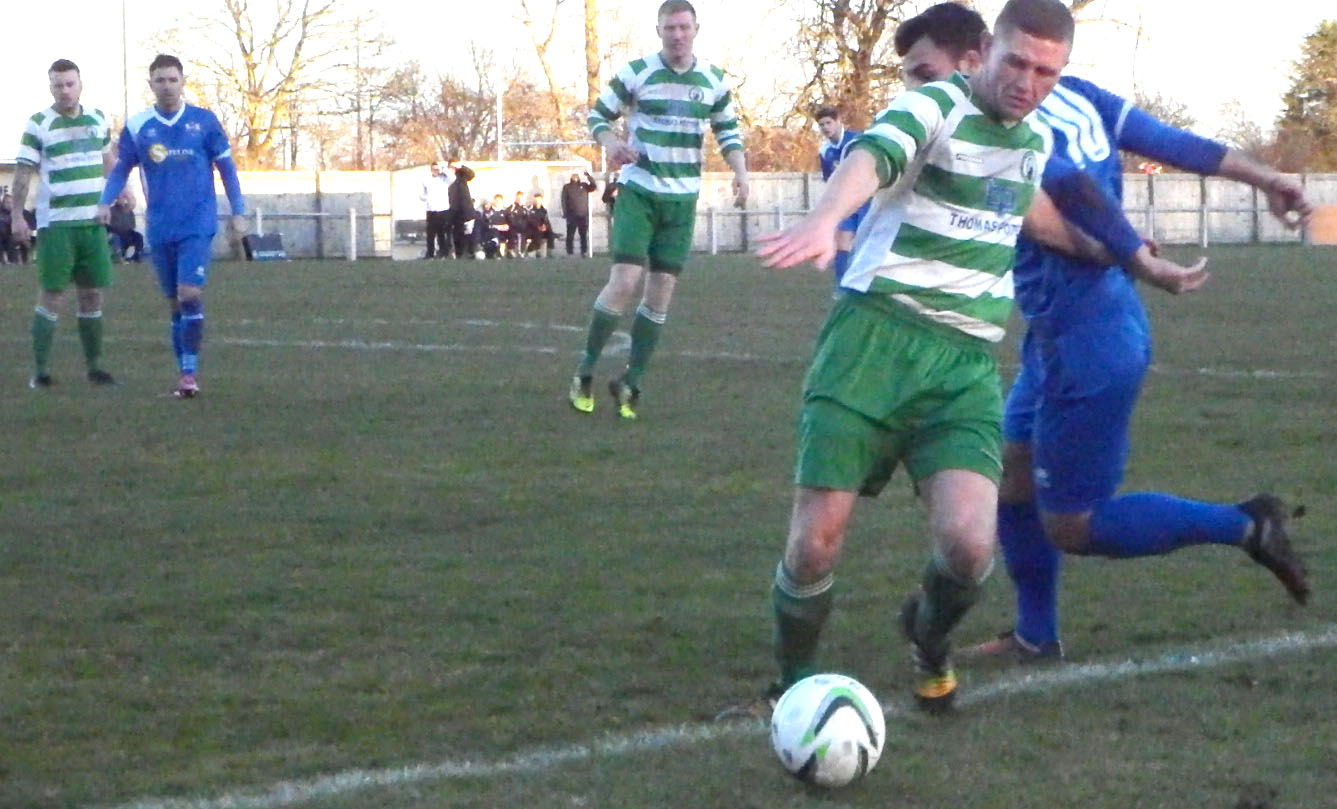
592	83
258	72
849	45
543	36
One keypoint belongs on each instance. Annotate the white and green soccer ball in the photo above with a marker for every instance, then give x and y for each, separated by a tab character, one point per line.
828	730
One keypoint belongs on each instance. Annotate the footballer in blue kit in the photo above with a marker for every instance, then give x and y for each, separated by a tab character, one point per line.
176	147
1083	359
837	140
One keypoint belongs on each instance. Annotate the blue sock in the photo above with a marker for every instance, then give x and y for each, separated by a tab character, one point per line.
192	334
1033	563
174	330
1151	523
841	264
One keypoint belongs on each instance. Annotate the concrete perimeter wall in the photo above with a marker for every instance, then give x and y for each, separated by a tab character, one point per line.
311	209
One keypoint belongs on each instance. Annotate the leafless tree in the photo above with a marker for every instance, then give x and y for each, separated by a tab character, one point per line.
849	46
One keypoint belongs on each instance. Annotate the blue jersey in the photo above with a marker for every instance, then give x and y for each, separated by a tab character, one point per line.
830	153
176	158
1090	126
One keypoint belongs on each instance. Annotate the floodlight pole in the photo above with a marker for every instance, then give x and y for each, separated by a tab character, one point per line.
499	155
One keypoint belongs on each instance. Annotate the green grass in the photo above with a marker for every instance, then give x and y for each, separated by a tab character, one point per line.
381	539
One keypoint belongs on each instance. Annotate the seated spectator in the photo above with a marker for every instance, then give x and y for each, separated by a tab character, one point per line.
127	242
8	250
498	227
540	229
518	217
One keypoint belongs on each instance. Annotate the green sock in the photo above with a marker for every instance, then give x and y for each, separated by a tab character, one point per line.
644	337
800	613
946	599
602	324
90	335
43	333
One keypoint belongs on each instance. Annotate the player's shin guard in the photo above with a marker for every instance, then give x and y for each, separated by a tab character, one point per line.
43	334
1033	564
174	332
1151	523
946	599
644	337
602	323
90	337
192	333
800	611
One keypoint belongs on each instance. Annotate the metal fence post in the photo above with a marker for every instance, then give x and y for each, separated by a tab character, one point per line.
352	234
713	229
1202	211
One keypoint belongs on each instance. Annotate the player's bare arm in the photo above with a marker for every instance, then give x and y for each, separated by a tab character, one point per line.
1046	225
738	162
814	236
1285	196
19	189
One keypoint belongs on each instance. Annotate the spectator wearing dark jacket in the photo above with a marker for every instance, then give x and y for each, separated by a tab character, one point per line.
576	210
498	232
610	192
129	243
517	215
462	211
540	228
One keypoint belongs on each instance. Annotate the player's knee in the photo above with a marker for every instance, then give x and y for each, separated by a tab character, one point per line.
1070	533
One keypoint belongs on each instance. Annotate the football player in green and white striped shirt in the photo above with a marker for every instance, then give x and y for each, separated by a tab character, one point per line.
68	147
903	372
670	99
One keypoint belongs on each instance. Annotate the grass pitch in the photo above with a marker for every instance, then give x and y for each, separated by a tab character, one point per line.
379	562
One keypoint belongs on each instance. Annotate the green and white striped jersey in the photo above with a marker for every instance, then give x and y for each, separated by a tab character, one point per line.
67	153
667	117
941	236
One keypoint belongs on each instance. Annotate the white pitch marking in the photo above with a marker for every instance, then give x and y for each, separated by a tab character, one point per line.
293	793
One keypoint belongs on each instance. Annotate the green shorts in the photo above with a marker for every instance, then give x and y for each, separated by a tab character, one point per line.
886	388
78	253
651	231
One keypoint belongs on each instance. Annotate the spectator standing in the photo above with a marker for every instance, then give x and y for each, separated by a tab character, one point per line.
609	196
8	250
462	211
576	210
436	194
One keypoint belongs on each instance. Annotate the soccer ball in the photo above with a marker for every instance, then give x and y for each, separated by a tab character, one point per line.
828	730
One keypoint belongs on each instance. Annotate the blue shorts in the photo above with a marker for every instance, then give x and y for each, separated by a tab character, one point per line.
850	223
1072	402
182	262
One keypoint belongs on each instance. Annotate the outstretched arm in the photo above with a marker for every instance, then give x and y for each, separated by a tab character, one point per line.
1285	197
814	236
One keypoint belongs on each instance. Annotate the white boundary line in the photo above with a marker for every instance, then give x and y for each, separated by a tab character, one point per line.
1038	681
620	343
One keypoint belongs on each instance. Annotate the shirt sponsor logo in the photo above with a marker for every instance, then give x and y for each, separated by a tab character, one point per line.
980	224
157	153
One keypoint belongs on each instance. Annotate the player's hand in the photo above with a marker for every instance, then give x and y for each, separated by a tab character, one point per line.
1287	201
1165	274
740	191
238	224
621	154
103	215
810	239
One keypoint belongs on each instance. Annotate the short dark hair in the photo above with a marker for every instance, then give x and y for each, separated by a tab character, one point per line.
166	60
951	26
62	65
1043	19
826	111
674	6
